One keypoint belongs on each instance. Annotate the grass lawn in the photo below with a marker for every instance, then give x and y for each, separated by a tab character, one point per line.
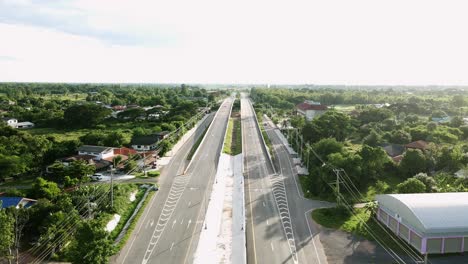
59	135
233	141
344	108
359	223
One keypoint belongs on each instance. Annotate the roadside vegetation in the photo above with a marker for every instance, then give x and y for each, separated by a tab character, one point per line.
359	223
233	140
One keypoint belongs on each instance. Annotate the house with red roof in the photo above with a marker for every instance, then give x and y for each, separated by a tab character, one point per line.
310	109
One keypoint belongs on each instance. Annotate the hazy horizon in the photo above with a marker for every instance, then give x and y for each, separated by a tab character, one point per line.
324	42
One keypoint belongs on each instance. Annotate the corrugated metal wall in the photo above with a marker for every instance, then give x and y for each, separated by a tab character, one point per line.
434	245
452	245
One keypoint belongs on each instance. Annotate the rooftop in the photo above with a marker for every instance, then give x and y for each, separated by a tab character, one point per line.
15	201
304	106
145	140
430	212
420	144
94	149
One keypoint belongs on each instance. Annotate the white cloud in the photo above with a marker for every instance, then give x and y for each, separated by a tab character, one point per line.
327	41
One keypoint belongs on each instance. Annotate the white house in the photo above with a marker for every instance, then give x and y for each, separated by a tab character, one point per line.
310	109
96	151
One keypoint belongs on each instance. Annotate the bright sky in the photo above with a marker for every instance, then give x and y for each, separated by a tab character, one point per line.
238	41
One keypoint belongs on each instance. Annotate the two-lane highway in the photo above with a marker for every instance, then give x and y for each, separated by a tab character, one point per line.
267	228
169	230
279	228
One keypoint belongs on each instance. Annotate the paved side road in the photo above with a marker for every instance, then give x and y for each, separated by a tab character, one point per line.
309	247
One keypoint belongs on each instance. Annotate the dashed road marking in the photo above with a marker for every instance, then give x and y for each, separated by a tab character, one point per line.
177	188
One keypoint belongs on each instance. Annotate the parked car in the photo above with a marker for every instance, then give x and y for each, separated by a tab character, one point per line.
96	176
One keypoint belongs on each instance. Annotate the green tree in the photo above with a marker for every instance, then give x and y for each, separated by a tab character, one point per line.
414	161
11	165
373	160
92	244
400	137
374	139
428	181
456	121
297	121
131	114
80	169
6	233
85	115
458	100
115	139
130	165
372	114
334	124
411	185
45	189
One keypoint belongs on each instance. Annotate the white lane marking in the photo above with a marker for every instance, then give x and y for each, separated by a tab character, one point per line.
173	223
181	222
263	204
189	203
189	222
142	223
272	247
268	223
312	235
172	245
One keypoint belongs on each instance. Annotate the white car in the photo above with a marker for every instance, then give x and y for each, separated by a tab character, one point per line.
96	176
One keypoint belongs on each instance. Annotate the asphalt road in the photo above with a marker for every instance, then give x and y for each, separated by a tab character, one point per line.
278	227
308	245
169	229
266	239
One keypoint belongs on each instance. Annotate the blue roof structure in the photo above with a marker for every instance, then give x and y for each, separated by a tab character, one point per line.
6	202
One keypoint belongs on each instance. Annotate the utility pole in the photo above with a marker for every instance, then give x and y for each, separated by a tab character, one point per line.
112	185
337	173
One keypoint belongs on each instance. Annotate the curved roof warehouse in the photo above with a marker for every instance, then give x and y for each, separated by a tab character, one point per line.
430	222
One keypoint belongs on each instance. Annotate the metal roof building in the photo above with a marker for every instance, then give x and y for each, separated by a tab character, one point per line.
430	222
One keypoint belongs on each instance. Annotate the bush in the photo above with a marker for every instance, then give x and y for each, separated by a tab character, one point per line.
411	185
153	173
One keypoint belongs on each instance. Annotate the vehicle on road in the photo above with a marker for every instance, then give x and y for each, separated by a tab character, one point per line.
96	177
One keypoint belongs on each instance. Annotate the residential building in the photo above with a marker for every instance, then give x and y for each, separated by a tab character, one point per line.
393	150
433	223
310	109
91	160
145	143
420	144
97	151
17	202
